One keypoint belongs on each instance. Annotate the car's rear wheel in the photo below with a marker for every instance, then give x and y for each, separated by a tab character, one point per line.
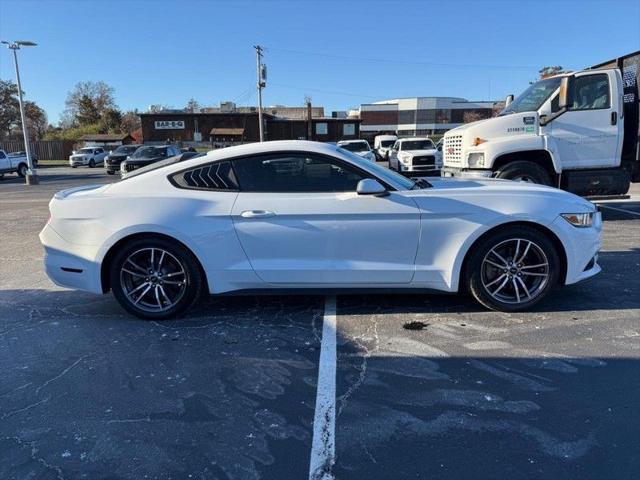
22	170
155	279
513	269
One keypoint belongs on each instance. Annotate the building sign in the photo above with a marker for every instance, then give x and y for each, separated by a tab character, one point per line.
169	124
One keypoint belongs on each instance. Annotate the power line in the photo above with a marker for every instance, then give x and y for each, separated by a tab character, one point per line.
323	91
401	62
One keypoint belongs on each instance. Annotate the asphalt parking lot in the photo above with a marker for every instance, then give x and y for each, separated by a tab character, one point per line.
426	386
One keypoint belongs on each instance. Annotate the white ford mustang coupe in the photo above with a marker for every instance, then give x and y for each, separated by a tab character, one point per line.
307	215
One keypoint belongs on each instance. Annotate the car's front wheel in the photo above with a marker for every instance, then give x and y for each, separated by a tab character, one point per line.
513	269
155	279
92	163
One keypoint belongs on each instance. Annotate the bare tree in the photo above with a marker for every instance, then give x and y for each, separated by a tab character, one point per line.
130	121
192	106
37	121
472	116
550	71
98	94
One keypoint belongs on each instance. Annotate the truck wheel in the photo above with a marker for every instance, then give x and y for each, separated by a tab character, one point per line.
110	172
92	163
525	171
512	269
22	170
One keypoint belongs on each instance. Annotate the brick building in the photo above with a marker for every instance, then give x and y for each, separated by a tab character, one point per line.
231	127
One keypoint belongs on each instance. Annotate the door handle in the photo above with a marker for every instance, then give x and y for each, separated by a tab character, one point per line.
614	118
257	214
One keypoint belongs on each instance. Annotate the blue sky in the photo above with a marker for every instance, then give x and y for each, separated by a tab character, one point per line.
341	53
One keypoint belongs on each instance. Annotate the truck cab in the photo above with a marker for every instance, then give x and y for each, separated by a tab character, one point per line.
565	131
13	163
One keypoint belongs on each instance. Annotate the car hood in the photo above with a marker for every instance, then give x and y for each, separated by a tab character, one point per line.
414	153
504	196
362	154
144	159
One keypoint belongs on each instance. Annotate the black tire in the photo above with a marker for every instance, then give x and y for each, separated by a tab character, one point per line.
110	172
22	170
92	163
526	171
74	166
193	278
476	270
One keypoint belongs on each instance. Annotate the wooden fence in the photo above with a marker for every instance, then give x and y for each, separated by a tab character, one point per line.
42	149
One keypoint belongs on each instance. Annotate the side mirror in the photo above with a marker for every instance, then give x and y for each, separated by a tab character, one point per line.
565	97
369	186
508	100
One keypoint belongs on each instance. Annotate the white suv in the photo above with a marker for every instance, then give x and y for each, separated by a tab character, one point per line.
90	156
413	155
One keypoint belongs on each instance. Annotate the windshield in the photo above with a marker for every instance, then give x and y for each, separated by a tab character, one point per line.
387	143
416	145
145	152
533	97
383	173
126	149
355	146
85	150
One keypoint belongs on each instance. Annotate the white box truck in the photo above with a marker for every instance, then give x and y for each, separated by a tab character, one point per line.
577	131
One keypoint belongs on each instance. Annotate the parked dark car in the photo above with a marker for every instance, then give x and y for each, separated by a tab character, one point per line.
147	155
117	156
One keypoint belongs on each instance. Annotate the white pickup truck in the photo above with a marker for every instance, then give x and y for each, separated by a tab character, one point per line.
13	163
577	131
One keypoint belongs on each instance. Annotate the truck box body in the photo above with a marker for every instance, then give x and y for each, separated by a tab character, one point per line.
629	65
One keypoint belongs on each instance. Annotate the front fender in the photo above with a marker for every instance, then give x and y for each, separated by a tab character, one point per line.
496	148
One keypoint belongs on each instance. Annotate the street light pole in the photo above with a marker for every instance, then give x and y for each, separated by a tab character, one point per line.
32	175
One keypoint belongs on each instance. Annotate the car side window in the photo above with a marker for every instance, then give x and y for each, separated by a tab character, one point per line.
213	176
294	172
2	156
591	92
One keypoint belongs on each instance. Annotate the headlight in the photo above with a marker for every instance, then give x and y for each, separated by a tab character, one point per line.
404	158
476	160
580	220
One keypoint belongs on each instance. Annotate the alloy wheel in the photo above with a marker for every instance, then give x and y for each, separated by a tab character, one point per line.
515	271
153	279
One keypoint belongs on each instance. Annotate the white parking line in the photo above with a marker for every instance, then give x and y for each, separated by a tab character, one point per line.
620	210
323	446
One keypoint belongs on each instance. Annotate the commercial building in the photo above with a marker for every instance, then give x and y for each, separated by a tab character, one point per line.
421	115
234	125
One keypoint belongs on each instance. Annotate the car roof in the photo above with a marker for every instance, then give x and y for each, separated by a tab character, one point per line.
258	148
356	140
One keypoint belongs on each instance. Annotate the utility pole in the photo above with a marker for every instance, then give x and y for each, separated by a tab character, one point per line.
32	176
307	104
261	71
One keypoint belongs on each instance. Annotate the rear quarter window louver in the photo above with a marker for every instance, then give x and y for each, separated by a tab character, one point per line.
214	176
